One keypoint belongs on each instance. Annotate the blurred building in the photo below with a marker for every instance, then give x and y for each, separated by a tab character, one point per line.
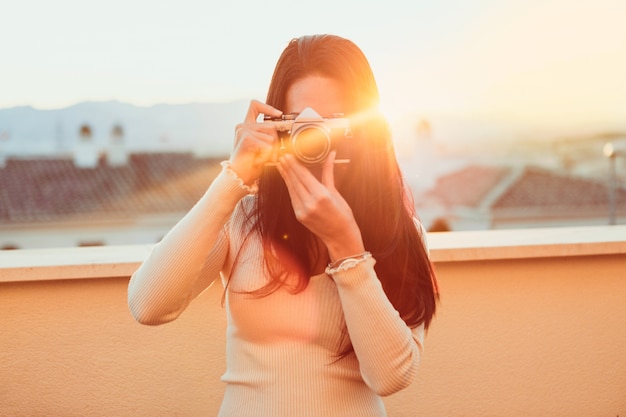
119	198
126	199
502	197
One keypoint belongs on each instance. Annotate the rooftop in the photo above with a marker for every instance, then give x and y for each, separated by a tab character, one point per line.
505	187
37	190
537	187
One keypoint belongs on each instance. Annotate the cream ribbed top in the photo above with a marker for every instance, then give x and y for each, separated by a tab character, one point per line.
281	349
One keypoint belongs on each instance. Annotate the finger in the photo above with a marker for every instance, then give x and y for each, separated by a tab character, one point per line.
286	169
259	127
328	171
307	181
303	183
267	135
256	107
296	174
275	153
287	175
305	191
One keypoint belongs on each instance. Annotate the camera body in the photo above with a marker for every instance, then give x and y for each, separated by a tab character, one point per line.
310	137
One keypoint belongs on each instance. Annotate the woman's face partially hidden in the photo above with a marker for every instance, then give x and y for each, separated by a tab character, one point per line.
324	95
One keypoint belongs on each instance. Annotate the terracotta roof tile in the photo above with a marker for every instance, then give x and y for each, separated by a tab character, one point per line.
542	188
531	188
52	189
468	186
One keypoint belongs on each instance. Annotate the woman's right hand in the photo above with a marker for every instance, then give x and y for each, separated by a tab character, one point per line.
254	143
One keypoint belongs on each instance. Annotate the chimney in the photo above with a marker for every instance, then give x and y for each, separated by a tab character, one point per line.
117	154
4	139
85	152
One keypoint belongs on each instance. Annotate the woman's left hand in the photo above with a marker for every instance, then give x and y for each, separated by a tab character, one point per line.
320	207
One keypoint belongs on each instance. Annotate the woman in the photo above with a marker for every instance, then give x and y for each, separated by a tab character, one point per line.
329	288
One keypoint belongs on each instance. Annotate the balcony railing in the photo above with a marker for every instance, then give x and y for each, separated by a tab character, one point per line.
531	322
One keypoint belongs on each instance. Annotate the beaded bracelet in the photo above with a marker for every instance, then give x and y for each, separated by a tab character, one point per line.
347	263
251	189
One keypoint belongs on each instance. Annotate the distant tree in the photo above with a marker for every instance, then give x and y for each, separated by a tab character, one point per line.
440	225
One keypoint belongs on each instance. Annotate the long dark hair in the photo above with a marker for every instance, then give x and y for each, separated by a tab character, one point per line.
372	185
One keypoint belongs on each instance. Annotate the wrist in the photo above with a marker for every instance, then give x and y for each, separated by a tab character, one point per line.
250	188
338	262
349	243
347	262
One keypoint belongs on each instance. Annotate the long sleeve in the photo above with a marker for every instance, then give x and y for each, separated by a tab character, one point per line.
188	259
388	351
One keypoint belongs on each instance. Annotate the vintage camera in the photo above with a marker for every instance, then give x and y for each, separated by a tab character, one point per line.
310	137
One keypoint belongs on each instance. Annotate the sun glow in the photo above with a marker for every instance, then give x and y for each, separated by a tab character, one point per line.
531	62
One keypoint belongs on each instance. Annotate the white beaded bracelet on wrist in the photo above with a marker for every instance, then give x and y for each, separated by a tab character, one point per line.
251	189
347	263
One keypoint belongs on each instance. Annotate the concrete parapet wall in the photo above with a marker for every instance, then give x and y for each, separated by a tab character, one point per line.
515	334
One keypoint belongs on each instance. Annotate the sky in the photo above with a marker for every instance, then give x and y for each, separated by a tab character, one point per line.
527	61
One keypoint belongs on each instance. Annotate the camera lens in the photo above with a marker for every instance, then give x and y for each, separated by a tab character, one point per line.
311	144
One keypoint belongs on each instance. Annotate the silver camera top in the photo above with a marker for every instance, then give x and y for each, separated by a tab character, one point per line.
308	115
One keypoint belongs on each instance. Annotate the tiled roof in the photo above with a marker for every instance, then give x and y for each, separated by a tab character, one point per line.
501	188
539	188
39	190
467	187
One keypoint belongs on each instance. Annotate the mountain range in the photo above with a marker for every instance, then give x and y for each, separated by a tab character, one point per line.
206	128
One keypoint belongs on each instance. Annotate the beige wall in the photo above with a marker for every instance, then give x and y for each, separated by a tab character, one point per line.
539	336
71	348
535	337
